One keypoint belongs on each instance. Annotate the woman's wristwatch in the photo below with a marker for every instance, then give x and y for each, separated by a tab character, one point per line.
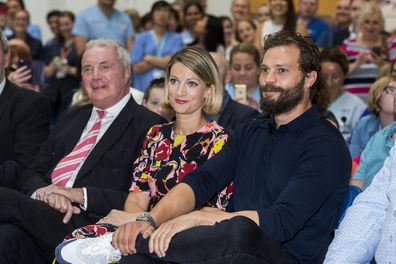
147	218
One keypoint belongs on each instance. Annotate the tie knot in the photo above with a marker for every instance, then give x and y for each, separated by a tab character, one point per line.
101	113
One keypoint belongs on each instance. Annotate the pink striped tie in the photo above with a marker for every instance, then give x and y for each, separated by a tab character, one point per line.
66	166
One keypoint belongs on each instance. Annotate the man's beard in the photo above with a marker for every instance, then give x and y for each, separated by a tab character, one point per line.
287	100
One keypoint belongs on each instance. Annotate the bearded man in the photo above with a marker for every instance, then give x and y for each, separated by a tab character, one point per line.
290	174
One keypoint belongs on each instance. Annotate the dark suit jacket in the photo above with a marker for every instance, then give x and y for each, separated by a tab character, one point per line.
107	171
24	126
235	113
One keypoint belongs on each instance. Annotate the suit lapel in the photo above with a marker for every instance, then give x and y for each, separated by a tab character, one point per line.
73	132
5	98
111	136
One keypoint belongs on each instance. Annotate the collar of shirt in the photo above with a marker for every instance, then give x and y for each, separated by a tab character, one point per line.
2	84
299	124
112	112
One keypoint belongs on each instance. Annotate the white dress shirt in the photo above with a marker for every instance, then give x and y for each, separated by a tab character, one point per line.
111	115
2	84
369	226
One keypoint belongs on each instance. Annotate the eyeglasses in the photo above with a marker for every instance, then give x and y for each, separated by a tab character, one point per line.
390	90
371	22
263	14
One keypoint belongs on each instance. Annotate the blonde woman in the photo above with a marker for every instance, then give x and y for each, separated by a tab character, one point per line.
380	106
170	151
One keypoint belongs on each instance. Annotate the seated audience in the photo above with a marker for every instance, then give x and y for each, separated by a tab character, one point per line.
278	214
170	151
19	24
347	108
154	97
231	113
229	35
283	17
13	7
245	31
61	61
373	156
263	13
103	21
240	9
20	71
192	13
380	106
368	50
174	23
53	24
153	49
209	33
244	70
335	35
135	18
24	124
307	16
82	171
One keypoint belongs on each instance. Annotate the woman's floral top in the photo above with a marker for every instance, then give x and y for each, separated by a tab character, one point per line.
166	158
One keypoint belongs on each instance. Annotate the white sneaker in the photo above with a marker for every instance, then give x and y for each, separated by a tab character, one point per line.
95	250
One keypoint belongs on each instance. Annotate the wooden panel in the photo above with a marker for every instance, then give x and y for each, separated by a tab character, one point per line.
326	7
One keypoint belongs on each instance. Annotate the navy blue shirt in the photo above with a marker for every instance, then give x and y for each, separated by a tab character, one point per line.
295	177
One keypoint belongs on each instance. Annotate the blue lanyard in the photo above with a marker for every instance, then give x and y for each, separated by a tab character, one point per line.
159	48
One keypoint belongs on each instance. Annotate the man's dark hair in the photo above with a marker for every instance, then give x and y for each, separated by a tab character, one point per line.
52	13
193	3
160	5
335	55
309	59
291	17
246	48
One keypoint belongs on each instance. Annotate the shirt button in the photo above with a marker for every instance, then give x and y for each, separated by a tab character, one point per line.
394	213
390	238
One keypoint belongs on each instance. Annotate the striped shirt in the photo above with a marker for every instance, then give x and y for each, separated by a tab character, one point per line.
360	80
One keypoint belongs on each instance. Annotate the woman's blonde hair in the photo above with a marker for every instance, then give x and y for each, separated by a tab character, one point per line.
199	61
375	93
370	10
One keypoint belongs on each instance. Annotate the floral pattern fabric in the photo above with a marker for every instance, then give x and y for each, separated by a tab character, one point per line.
166	158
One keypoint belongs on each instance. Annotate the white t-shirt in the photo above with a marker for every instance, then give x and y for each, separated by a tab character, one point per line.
348	109
269	27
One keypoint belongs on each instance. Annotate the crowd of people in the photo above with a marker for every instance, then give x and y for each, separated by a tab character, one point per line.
178	136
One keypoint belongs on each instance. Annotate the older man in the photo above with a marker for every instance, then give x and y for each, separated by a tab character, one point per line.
290	173
83	170
335	35
307	10
240	9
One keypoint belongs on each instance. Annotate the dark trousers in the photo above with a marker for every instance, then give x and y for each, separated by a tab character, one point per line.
238	240
31	229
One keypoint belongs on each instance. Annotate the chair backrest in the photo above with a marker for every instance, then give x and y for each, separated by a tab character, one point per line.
353	191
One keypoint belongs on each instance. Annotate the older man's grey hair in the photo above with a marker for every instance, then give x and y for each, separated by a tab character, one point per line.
121	52
3	42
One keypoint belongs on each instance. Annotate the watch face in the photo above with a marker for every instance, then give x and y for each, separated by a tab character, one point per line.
147	218
143	217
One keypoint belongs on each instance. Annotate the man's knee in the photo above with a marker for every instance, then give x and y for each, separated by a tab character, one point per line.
242	232
16	246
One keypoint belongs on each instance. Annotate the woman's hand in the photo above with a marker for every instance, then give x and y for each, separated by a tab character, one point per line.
377	59
20	76
118	217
